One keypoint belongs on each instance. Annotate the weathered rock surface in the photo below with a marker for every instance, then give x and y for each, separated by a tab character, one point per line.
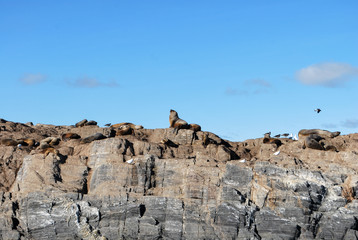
198	187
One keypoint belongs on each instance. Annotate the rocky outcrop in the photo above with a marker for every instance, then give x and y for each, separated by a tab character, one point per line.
179	185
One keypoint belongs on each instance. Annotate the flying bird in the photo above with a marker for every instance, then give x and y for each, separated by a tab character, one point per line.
317	110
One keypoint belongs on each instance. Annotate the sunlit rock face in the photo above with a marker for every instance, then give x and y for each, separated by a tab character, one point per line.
162	183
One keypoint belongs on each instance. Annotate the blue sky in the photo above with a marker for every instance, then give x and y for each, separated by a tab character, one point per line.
237	68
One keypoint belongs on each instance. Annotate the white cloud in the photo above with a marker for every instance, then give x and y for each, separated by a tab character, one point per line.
327	74
87	82
30	79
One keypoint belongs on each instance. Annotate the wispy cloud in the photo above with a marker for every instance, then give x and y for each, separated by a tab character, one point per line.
31	79
88	82
327	74
258	82
234	92
350	123
251	86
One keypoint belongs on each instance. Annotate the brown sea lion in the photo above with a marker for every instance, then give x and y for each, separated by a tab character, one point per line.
51	141
138	127
195	127
81	123
9	142
322	133
176	122
91	123
67	136
273	141
205	139
49	150
312	141
27	142
124	130
118	125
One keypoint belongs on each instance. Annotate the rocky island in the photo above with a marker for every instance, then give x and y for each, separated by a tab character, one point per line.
127	182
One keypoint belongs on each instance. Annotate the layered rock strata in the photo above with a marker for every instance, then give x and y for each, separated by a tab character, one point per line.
197	187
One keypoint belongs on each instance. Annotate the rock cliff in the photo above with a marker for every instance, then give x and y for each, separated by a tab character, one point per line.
167	184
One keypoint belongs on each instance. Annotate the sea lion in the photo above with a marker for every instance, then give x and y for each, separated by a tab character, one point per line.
331	148
205	139
96	136
27	142
176	122
118	125
43	145
30	124
91	123
9	142
51	141
195	127
81	123
138	127
311	142
323	133
67	136
124	130
49	150
269	140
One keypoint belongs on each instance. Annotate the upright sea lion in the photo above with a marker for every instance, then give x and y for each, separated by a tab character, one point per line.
176	122
205	139
322	133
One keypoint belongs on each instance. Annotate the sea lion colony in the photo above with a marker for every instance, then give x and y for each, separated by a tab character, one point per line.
310	138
